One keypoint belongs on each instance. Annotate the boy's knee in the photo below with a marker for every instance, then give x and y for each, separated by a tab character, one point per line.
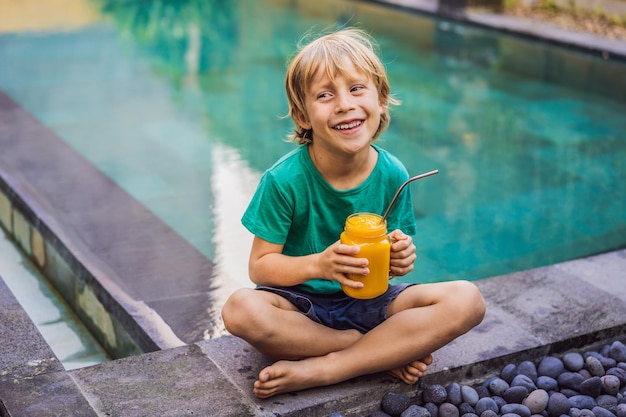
234	310
466	305
474	304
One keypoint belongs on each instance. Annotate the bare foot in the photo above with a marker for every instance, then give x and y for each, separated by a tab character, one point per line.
287	376
412	372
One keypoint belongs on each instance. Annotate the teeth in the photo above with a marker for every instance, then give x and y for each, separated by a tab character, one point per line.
348	125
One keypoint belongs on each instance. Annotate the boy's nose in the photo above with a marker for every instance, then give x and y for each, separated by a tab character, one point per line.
344	103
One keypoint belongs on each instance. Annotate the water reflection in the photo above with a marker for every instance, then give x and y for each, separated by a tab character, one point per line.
182	37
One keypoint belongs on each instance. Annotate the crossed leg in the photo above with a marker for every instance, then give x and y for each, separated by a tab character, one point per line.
420	320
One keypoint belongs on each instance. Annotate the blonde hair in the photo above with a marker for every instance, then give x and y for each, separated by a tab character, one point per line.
331	52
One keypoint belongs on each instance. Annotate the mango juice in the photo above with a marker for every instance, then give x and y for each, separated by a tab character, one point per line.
369	233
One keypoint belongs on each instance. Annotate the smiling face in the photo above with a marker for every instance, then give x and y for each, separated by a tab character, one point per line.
342	109
322	72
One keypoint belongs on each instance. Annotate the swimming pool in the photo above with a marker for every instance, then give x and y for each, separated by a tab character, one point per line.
180	103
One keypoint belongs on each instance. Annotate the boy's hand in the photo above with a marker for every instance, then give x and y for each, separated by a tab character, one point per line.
338	260
402	254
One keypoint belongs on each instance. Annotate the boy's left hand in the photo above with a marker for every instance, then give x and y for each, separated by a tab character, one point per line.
402	253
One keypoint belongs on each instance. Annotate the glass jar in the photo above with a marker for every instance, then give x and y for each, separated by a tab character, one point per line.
369	233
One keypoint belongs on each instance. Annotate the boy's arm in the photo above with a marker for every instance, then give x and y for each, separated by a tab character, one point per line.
269	266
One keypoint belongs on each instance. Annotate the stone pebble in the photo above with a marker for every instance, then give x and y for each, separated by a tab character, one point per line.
587	384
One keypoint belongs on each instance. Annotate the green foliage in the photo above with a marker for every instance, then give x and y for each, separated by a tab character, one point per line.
618	20
572	8
548	5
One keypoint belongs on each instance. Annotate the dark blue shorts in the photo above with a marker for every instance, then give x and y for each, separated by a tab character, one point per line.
339	311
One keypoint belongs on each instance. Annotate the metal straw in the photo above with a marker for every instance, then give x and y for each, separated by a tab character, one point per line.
404	184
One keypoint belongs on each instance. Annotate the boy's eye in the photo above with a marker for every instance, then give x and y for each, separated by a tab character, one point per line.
357	88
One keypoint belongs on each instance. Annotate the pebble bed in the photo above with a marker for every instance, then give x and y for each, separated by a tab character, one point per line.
588	384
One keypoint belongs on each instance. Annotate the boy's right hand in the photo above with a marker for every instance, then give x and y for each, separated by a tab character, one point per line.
337	261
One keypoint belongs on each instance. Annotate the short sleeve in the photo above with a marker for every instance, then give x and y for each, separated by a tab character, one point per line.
269	213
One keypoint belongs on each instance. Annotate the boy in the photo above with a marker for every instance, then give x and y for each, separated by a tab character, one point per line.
338	96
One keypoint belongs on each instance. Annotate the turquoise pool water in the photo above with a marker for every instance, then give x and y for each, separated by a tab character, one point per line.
180	103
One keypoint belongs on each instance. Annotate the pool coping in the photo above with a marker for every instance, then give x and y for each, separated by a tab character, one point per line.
604	47
533	313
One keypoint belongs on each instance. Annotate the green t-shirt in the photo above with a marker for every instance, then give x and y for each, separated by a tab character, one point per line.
296	207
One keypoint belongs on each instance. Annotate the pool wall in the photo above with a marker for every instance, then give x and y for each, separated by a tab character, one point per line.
525	28
93	304
55	224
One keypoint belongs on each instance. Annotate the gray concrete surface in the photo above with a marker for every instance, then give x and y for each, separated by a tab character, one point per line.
550	310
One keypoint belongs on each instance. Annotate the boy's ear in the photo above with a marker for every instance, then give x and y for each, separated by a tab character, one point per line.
301	119
383	103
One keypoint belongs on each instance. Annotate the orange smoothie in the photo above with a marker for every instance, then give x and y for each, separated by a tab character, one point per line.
366	231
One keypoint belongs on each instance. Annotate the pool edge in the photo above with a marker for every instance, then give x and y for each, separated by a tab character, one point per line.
217	374
527	28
